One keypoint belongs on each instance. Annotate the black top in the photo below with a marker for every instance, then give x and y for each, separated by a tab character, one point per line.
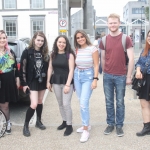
61	69
27	70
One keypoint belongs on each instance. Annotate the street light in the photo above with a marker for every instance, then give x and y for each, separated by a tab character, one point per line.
141	24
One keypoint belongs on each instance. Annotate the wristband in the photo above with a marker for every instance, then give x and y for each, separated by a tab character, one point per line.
95	78
67	85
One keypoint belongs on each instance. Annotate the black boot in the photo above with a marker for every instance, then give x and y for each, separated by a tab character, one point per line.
68	130
62	126
39	124
145	131
26	131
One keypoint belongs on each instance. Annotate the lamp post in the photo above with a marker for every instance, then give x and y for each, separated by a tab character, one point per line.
141	24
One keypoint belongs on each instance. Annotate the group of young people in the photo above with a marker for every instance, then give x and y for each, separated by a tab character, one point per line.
65	70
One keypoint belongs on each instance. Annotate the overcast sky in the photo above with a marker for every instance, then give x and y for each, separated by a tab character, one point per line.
105	7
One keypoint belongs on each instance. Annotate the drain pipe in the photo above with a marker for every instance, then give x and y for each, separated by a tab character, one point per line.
61	4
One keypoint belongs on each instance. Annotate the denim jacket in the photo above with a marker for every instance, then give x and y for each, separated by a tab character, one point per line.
142	61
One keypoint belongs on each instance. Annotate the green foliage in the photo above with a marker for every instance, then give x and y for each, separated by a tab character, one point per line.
147	12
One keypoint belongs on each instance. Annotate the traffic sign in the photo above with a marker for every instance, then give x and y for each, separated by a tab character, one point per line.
63	23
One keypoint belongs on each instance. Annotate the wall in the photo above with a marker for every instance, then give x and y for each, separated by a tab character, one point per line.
24	12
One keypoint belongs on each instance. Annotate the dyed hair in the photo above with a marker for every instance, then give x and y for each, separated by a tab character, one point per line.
113	15
67	49
44	47
6	46
147	46
76	45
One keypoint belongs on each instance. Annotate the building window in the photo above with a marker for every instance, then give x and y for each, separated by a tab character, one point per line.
37	24
37	4
10	26
138	10
9	4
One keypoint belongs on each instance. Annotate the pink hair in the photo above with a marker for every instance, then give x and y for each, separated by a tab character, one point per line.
7	47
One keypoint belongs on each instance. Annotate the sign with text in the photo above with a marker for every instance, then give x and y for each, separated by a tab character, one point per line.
62	25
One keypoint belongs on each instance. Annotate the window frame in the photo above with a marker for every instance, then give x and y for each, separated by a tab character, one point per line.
4	2
8	19
31	6
37	18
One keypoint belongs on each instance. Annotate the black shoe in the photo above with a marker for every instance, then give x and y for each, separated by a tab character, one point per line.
119	131
26	131
8	129
145	130
62	126
68	130
39	124
109	129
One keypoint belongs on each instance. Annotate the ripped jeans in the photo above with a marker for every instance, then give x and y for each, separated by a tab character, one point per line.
82	81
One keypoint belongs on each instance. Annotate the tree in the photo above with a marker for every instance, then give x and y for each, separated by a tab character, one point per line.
147	12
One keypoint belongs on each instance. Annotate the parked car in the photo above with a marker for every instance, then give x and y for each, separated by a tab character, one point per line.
18	46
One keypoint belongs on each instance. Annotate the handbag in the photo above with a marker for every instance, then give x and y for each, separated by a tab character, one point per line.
138	83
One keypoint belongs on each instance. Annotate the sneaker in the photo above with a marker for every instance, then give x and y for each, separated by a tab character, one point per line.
119	131
84	136
80	130
109	129
8	130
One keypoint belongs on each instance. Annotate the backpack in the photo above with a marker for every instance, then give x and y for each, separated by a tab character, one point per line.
123	44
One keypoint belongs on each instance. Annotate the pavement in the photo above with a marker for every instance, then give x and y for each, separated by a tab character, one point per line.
52	139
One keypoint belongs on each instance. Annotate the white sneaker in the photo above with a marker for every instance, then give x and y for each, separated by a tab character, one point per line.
85	136
80	130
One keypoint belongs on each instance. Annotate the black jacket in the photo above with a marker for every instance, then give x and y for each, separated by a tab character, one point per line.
27	67
15	64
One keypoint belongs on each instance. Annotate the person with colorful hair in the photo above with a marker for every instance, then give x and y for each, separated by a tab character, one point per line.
144	94
9	78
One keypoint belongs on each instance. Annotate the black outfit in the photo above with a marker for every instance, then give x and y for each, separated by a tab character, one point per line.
8	87
61	69
33	72
145	90
28	70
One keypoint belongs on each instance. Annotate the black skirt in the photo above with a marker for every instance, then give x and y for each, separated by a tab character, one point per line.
8	89
145	90
35	85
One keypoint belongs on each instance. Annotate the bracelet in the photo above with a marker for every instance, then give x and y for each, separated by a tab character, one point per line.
67	85
95	78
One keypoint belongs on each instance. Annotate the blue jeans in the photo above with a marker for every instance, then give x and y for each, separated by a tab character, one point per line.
82	81
114	84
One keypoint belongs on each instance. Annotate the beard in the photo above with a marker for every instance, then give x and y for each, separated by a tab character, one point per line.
114	30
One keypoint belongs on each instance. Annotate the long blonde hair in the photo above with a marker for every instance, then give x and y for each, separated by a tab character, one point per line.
88	42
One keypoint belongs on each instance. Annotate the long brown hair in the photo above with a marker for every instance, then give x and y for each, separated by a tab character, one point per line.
147	46
76	45
67	49
44	48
